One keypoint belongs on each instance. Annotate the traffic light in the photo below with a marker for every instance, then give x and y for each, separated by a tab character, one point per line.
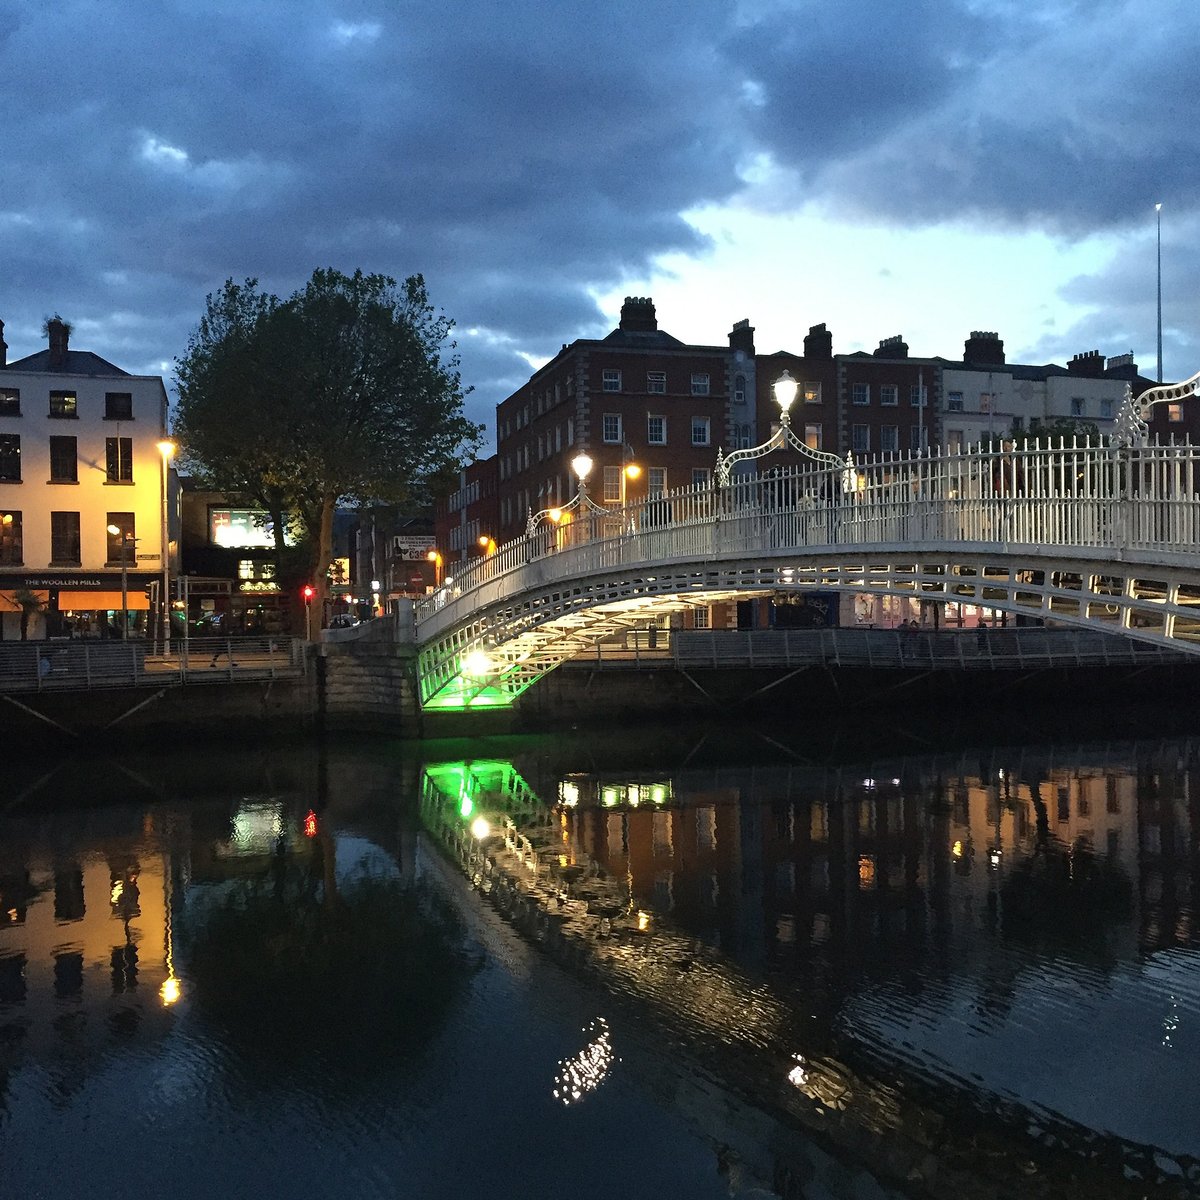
308	592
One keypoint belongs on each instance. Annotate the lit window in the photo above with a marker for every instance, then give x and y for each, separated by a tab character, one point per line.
10	539
700	431
812	393
700	385
812	437
612	428
1174	412
701	618
612	380
62	404
656	430
10	402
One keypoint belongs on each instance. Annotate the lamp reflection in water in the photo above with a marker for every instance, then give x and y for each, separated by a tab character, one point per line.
588	1069
171	989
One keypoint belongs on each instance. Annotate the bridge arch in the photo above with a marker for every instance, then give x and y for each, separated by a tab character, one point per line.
1095	535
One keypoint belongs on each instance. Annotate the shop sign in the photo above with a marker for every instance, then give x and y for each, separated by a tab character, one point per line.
133	579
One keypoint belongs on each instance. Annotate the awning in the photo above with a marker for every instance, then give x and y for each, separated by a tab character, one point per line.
135	601
8	600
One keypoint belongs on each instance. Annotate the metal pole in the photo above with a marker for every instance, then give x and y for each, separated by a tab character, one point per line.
125	586
165	599
1158	214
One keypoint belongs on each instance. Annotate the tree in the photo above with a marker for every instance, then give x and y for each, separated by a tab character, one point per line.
340	394
30	604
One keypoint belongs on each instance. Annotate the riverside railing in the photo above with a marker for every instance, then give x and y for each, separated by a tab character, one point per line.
43	666
1079	495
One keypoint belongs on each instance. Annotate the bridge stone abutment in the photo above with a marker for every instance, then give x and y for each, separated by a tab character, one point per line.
366	680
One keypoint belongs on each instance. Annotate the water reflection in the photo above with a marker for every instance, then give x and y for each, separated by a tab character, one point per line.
989	929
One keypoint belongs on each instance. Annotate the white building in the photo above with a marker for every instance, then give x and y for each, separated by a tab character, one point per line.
79	452
984	397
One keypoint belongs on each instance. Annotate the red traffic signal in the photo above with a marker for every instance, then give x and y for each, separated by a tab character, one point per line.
308	592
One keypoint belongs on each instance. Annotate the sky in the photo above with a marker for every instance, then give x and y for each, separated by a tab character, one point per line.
926	169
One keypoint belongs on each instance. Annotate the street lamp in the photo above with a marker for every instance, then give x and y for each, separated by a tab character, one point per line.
166	448
435	557
126	538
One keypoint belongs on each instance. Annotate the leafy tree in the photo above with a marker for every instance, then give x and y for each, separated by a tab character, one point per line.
30	604
340	394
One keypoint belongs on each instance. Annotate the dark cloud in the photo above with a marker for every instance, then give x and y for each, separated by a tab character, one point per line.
526	156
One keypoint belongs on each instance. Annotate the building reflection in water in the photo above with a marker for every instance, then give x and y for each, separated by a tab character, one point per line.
89	912
930	910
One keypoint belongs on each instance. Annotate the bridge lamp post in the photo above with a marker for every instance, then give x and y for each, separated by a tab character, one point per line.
487	544
581	464
435	557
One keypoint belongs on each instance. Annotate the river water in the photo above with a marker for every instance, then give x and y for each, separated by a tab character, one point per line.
679	962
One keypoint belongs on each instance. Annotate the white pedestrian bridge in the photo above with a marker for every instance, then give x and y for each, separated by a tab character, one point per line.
1100	535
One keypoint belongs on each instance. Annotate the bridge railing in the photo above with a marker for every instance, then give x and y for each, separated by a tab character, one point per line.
1067	495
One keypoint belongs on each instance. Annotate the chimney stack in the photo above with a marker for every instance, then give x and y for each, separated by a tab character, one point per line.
60	333
984	349
1089	364
741	337
637	315
818	343
893	347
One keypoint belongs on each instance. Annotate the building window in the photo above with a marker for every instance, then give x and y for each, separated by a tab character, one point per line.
612	428
10	539
10	402
64	539
954	402
739	389
860	393
611	380
1106	409
918	396
700	385
656	482
64	460
10	458
118	406
118	457
860	438
656	383
656	430
889	437
699	431
1174	413
741	436
701	618
812	393
889	395
986	400
701	477
612	485
812	436
954	441
1078	406
62	404
918	437
122	545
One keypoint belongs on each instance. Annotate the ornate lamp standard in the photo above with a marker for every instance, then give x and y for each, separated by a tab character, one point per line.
581	502
784	390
